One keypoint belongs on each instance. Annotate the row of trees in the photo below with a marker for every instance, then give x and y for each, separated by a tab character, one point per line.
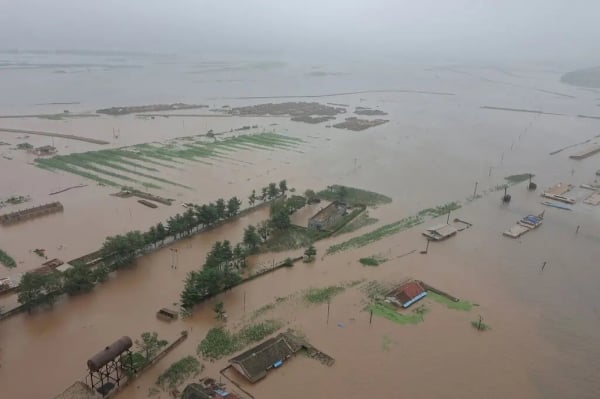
120	250
43	289
221	270
273	190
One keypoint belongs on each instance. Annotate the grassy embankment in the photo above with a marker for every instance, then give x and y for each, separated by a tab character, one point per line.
122	166
393	228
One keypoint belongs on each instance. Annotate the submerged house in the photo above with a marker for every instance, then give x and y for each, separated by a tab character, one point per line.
45	150
254	363
327	216
207	389
440	232
407	293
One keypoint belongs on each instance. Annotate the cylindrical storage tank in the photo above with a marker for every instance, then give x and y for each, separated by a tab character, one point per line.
109	353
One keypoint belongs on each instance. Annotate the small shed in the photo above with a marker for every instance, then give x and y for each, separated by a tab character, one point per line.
440	232
407	294
254	363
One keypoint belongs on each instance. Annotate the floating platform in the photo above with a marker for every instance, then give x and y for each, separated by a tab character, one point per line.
587	152
440	232
523	226
557	193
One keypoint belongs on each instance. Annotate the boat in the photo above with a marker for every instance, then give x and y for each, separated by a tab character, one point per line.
555	205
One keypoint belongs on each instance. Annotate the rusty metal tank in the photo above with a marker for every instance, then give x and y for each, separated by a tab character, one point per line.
109	353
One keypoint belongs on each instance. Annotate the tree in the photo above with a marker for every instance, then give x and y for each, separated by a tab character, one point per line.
161	233
151	236
283	186
310	196
272	190
295	202
310	253
263	229
252	198
281	220
239	256
149	344
252	239
233	206
36	289
100	273
341	193
219	310
280	217
264	193
220	207
78	279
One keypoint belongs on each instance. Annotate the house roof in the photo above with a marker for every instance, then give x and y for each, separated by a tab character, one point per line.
332	209
196	391
407	291
255	362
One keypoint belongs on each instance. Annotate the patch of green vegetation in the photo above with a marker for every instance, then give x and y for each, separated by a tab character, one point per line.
220	342
439	210
322	295
377	234
24	146
178	372
359	222
373	260
460	305
376	290
390	313
514	179
7	260
480	325
353	196
293	237
104	166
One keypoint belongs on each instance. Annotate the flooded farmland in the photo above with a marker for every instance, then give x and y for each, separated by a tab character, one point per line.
435	149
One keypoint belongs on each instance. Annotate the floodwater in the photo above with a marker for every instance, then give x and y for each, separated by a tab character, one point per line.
543	342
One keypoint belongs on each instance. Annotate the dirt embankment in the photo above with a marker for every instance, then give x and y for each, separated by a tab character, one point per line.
148	108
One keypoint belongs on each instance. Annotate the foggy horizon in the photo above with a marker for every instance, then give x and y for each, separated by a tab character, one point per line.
392	31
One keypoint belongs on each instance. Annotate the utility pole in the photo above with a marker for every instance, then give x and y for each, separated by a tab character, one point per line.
475	191
328	303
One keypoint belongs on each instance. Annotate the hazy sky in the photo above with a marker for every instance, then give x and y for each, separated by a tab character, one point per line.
492	29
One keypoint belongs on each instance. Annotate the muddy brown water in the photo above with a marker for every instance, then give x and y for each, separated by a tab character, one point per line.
544	324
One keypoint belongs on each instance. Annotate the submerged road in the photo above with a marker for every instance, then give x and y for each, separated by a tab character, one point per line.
51	134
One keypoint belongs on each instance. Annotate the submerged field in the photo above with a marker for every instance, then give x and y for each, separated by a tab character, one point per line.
143	162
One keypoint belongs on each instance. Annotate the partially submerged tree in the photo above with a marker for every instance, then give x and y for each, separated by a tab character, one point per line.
37	289
219	310
252	198
78	279
310	254
252	239
149	344
233	206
